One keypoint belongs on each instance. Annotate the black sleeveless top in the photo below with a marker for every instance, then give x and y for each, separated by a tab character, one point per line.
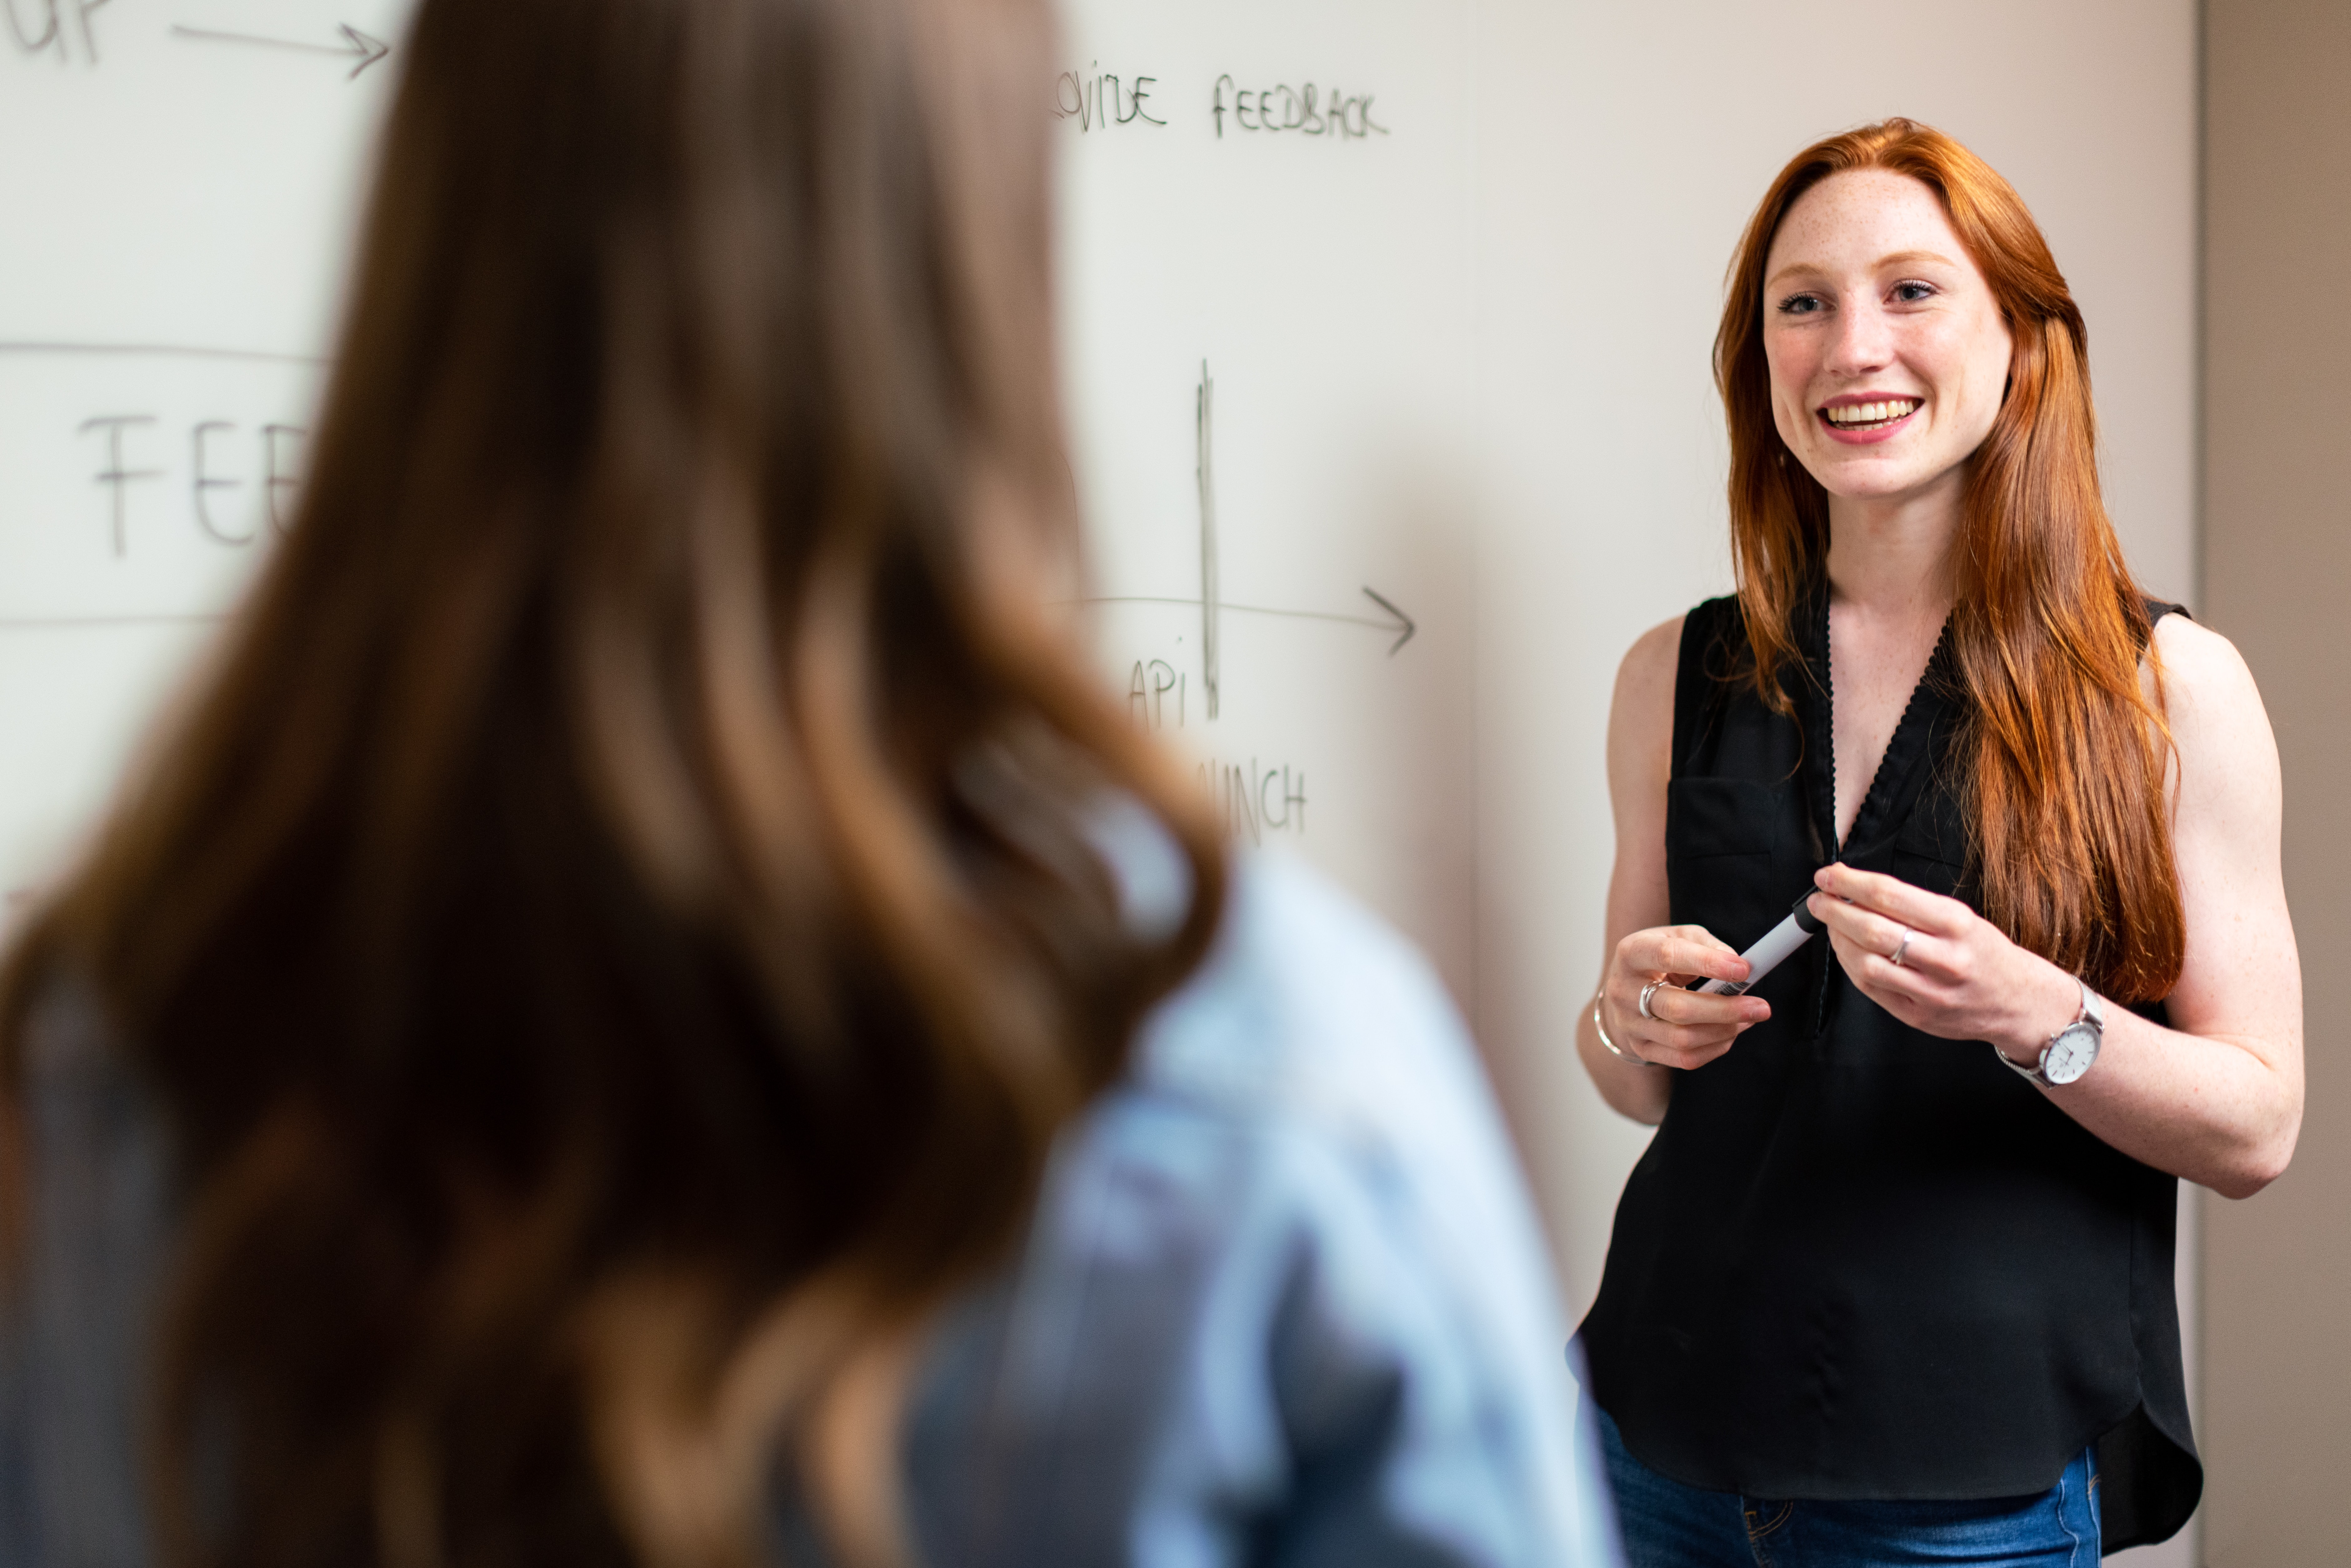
1858	1261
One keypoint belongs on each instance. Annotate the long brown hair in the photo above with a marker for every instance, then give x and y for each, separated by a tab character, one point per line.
2064	752
618	928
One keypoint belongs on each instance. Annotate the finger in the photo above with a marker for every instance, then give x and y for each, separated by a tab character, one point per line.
1864	927
1683	1059
1685	950
1944	959
1896	990
1697	1009
1694	1060
1904	991
1699	933
1694	1052
1893	897
1659	1039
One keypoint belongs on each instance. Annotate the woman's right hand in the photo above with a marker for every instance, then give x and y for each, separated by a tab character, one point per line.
1686	1030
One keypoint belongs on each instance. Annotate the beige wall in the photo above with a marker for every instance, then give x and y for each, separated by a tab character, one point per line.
2277	565
1623	148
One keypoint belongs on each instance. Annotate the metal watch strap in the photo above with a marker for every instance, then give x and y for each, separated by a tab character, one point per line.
2093	1013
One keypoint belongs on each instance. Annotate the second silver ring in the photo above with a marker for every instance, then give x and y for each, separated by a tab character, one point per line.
1902	946
1647	992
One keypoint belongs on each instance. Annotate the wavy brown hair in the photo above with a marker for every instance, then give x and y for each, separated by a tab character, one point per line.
2064	752
618	928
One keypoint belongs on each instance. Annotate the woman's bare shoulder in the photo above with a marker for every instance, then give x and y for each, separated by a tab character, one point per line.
1646	674
1641	716
2193	652
2218	726
2206	682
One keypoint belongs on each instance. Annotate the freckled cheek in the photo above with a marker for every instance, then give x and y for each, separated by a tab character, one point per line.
1942	358
1790	376
1966	382
1790	418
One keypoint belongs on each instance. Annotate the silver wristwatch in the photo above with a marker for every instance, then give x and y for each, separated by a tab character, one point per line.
2072	1050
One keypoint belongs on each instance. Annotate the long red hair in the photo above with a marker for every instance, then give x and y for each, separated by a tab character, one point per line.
2064	752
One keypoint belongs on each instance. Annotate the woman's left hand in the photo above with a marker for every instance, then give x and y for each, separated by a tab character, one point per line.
1959	976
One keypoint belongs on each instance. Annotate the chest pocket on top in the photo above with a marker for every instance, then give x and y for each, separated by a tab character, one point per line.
1724	841
1708	817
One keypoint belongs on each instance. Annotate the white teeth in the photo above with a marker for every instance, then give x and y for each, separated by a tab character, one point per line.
1872	412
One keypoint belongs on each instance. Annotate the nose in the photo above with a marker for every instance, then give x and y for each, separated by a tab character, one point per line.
1863	339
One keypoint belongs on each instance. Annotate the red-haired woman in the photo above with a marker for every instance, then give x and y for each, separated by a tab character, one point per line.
1894	1281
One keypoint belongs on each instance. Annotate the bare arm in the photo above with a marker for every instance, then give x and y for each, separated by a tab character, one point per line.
2217	1098
1690	1029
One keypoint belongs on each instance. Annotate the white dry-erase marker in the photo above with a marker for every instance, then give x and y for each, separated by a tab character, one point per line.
1767	955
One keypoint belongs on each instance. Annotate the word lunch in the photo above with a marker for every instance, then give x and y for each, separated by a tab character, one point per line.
1252	800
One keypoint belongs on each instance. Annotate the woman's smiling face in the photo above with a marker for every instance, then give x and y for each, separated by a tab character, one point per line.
1887	351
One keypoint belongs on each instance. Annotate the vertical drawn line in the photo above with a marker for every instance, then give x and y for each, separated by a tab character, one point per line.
1203	427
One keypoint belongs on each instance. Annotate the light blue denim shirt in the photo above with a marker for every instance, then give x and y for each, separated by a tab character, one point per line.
1283	1303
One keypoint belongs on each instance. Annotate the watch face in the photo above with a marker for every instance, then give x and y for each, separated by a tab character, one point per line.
2071	1053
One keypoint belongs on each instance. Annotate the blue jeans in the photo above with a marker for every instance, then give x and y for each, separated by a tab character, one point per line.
1669	1525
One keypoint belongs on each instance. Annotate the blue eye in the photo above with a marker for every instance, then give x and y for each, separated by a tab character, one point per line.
1800	305
1911	293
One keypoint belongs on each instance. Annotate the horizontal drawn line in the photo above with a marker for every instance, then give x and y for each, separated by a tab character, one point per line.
356	45
164	351
100	622
1243	608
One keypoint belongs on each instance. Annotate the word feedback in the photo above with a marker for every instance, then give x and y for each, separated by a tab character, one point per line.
1304	111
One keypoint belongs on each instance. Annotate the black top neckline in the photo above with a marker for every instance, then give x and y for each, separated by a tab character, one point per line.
1905	749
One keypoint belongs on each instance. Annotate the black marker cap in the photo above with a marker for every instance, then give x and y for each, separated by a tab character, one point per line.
1806	922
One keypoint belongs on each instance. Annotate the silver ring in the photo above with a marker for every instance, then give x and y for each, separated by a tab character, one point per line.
1902	946
1647	992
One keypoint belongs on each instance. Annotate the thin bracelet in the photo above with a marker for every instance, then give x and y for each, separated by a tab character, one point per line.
1602	1030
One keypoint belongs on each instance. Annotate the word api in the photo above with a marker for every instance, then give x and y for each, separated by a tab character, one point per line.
1147	690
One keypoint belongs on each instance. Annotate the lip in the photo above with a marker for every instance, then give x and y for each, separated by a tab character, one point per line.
1866	437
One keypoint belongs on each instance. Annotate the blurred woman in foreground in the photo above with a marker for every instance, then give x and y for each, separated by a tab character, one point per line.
648	1010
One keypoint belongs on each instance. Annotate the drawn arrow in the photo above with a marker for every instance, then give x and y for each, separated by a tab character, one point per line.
356	45
1403	621
1395	621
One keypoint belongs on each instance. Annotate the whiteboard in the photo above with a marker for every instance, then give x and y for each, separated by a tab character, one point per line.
1270	360
179	191
1444	356
1267	221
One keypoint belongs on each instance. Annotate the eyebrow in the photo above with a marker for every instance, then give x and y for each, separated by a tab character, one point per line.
1899	258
